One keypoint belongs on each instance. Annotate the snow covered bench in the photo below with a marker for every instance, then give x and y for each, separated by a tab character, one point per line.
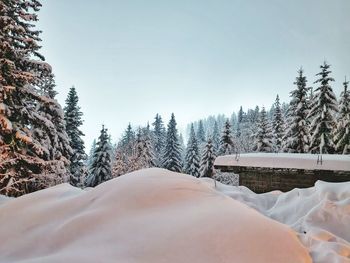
263	172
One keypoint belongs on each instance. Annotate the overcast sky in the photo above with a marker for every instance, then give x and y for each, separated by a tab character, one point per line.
132	59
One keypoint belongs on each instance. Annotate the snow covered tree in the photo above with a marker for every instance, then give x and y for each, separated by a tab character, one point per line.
129	136
158	139
216	138
144	155
119	166
192	155
277	125
226	143
342	134
296	138
100	170
172	151
91	154
323	110
263	138
207	160
33	151
239	121
201	135
73	118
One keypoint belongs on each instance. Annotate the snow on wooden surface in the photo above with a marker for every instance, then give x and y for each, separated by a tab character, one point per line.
333	162
151	215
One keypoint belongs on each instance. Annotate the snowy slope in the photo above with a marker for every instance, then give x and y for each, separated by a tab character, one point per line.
287	160
151	215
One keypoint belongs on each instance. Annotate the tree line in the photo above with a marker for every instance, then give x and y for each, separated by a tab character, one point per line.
41	144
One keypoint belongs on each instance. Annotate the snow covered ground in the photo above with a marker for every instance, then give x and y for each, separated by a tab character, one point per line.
332	162
155	216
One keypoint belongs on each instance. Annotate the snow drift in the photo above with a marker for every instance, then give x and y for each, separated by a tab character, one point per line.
151	215
320	214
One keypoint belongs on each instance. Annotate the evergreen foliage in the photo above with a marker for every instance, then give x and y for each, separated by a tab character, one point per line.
159	135
100	170
33	144
297	137
144	155
216	138
207	160
278	126
342	135
263	141
323	110
192	155
226	142
172	159
73	118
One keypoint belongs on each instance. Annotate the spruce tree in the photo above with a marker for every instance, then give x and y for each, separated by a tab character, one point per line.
277	125
158	139
263	139
172	159
100	170
239	121
296	138
73	118
128	140
30	155
144	155
216	138
342	134
91	154
119	166
201	135
226	143
192	155
323	110
207	160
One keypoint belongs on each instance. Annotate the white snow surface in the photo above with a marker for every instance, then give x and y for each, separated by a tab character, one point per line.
332	162
155	215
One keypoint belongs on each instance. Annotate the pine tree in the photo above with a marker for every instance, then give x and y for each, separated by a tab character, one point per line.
263	141
128	140
323	109
101	169
30	155
226	142
192	155
277	125
73	118
297	138
57	137
342	134
91	154
239	121
216	138
201	135
182	148
120	163
158	139
172	151
207	160
144	155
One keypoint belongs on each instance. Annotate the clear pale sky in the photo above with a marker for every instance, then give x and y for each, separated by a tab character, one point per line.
132	59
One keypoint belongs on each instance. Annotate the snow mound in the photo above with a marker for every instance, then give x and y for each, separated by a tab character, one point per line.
150	215
320	214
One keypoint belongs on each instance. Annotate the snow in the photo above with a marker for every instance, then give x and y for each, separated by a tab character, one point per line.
287	160
150	215
320	214
155	215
